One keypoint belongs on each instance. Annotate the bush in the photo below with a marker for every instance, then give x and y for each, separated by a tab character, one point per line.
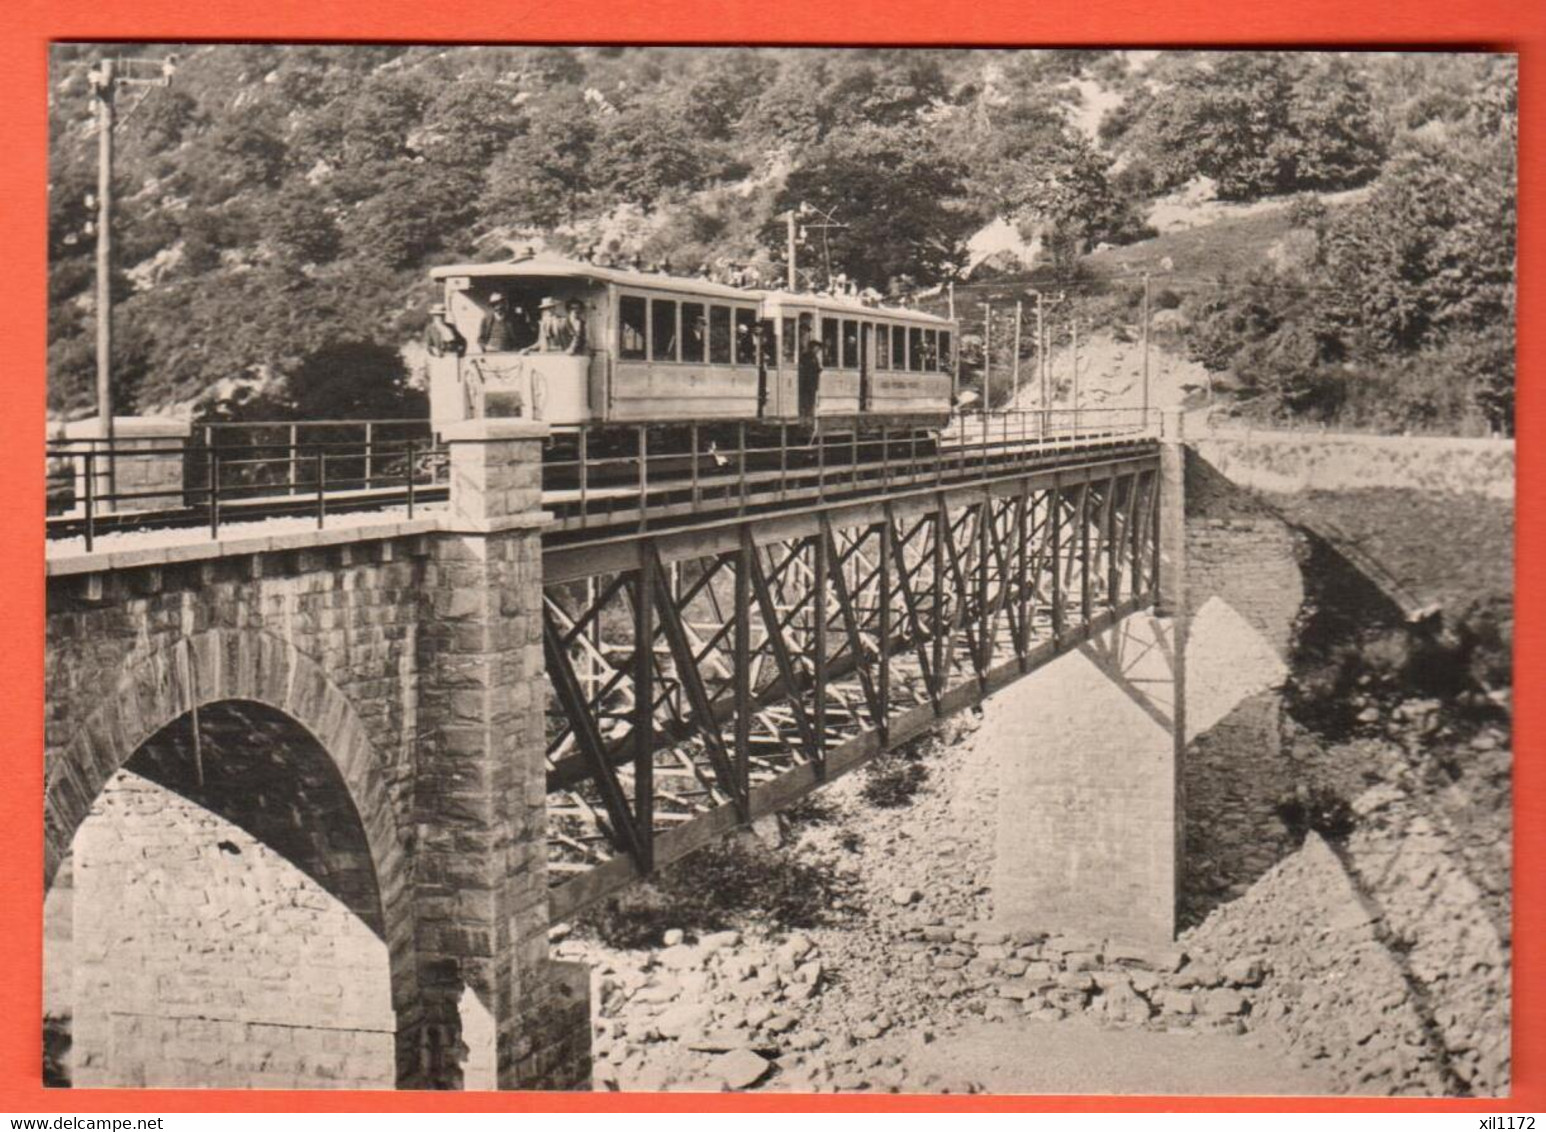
891	781
1317	808
813	809
713	889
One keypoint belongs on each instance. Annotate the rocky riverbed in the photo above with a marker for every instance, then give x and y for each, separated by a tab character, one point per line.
1339	970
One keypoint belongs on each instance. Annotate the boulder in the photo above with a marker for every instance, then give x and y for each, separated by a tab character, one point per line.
1222	1002
739	1068
686	1018
1197	974
1244	972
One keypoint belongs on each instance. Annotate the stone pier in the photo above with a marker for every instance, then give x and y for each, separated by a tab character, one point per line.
315	754
1090	829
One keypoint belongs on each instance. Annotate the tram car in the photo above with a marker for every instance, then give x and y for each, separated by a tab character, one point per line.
574	344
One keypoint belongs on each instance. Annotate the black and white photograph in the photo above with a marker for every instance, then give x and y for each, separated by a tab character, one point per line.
803	570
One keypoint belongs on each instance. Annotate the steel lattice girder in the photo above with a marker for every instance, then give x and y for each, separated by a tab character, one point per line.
702	677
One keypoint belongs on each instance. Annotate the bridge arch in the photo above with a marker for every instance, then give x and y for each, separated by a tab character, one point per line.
245	726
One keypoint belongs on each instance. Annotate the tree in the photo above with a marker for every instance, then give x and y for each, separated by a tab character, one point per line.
299	222
789	113
1254	122
353	380
898	195
71	185
1259	330
206	234
1331	119
1429	254
468	123
723	89
543	68
884	88
415	210
241	152
646	151
542	174
165	118
379	119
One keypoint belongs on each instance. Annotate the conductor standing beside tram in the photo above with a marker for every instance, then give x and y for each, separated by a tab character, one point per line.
809	373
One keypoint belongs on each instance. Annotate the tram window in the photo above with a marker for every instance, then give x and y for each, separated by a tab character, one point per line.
850	344
663	330
829	354
930	351
882	347
719	335
695	332
898	347
745	337
630	327
915	348
944	351
790	345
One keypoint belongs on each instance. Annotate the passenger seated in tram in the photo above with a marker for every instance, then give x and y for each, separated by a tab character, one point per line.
695	346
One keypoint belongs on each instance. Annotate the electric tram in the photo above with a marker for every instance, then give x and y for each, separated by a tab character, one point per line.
660	350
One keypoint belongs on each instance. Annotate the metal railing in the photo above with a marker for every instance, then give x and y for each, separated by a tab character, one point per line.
594	477
240	472
612	478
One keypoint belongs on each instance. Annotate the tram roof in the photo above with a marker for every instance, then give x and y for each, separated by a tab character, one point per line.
550	267
849	305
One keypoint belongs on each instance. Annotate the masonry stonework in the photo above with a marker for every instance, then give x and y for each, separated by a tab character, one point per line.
409	669
1288	462
1129	750
147	473
1090	807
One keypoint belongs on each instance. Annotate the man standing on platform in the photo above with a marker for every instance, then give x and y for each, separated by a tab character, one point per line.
498	333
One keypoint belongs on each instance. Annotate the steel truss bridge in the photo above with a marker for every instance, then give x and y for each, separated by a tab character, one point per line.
706	675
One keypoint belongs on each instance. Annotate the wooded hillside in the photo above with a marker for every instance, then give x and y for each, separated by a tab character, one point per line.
279	206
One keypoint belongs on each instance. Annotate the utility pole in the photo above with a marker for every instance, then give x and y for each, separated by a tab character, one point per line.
1145	418
790	221
102	87
109	75
950	291
797	231
987	353
1073	347
1014	398
1044	335
1041	355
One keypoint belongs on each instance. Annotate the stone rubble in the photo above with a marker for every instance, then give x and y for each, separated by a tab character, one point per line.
1374	961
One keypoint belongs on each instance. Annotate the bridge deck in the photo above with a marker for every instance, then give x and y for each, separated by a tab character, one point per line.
649	498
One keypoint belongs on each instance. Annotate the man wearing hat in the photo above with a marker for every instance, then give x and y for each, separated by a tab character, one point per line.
574	328
500	330
552	330
440	337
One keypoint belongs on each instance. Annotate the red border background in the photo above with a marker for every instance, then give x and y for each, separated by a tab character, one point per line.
27	26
